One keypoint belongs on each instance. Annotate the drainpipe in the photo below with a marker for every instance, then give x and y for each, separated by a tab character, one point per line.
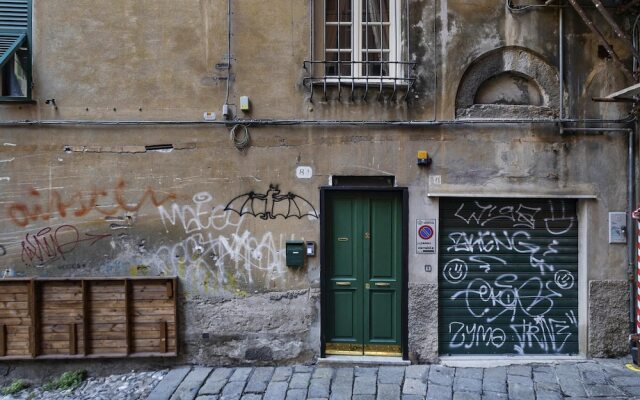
631	231
561	59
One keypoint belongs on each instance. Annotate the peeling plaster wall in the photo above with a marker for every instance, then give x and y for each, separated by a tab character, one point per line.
99	201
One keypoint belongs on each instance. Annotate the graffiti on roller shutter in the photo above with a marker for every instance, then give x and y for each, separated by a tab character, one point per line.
506	306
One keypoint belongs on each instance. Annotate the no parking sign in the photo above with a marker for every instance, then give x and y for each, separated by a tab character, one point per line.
426	236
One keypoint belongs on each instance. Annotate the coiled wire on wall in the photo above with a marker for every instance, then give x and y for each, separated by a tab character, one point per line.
239	134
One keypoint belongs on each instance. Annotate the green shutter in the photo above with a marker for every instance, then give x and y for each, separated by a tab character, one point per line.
508	276
15	27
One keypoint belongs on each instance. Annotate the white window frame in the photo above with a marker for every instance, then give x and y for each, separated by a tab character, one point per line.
395	45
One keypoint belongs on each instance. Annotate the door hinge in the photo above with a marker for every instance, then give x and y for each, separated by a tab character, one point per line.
367	235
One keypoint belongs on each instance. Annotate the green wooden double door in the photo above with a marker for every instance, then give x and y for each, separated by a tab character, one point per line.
364	273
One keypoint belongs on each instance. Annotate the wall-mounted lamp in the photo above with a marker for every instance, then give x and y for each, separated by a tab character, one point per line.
423	158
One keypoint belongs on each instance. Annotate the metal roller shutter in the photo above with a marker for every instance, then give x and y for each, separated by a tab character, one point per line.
508	276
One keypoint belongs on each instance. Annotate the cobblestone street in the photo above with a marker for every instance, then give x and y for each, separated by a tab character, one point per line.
608	379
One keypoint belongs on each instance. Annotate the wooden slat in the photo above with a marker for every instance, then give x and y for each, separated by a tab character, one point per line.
127	315
34	339
163	337
20	297
73	342
3	340
174	281
14	288
85	317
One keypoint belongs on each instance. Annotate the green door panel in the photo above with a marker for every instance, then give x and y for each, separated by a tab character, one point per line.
364	247
508	276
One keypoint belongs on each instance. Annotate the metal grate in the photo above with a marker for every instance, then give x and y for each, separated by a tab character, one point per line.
368	83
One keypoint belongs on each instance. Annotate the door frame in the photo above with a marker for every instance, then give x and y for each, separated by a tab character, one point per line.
324	271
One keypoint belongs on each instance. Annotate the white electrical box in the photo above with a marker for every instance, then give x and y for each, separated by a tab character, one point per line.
244	103
209	116
617	227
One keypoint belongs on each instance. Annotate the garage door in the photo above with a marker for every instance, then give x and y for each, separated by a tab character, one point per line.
508	276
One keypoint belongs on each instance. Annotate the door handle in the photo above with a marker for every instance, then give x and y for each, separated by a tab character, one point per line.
343	283
382	284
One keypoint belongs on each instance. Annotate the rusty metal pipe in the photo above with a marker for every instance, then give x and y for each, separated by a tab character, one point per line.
625	40
601	38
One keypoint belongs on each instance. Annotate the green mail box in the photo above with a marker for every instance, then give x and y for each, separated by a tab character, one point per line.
296	253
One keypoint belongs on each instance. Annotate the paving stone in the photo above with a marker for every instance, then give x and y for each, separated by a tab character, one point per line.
212	386
439	392
602	390
206	397
495	372
319	388
188	389
547	387
297	394
392	375
594	377
300	380
625	380
572	387
465	396
251	396
232	390
632	390
544	368
416	372
589	366
344	374
341	391
441	376
473	373
414	386
219	374
520	387
276	391
259	380
545	377
495	396
240	374
362	371
494	385
282	374
519	370
412	397
567	370
323	373
548	395
467	385
303	368
363	397
169	383
364	385
388	391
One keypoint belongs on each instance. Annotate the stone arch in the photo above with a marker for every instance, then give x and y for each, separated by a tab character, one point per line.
527	70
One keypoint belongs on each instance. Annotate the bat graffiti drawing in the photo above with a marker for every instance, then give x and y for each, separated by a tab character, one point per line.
271	205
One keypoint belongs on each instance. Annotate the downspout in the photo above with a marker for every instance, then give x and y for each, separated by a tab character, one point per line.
561	60
631	242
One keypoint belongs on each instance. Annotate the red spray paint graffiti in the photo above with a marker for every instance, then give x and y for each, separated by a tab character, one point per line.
79	205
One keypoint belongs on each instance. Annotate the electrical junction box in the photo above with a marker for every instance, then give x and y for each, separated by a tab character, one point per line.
244	103
296	253
617	227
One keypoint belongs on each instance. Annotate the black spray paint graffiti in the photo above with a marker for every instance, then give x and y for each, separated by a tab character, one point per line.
3	251
271	205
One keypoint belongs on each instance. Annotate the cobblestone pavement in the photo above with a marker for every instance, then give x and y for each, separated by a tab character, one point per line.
608	379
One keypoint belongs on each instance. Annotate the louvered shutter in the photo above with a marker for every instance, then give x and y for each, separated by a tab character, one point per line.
15	26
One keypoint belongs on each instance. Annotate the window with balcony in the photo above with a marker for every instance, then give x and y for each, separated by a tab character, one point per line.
361	43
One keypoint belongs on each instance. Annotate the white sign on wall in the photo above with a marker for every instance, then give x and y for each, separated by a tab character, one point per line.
303	172
426	236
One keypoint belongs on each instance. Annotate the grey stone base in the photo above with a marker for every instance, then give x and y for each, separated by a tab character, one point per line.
423	322
608	318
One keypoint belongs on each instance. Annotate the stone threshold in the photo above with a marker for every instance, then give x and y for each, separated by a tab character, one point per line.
501	361
367	361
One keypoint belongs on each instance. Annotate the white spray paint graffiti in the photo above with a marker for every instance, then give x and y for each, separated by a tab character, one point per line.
506	309
218	254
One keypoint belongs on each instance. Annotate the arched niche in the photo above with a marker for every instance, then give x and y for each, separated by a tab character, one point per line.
509	82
